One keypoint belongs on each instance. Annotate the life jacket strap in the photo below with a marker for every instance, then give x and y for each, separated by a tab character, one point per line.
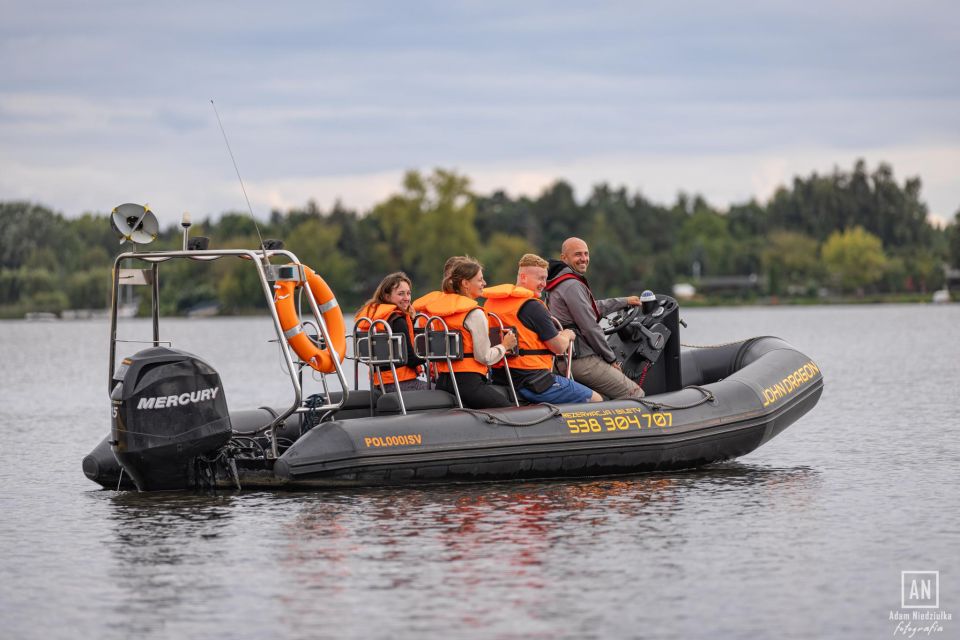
535	352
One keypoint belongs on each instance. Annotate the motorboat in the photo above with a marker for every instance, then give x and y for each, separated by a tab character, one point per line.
172	428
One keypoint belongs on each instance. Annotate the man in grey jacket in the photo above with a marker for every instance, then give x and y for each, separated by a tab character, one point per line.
572	303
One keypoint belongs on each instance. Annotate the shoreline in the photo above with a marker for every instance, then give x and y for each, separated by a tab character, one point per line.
766	301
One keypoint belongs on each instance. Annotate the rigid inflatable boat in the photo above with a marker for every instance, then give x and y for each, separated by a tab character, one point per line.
172	428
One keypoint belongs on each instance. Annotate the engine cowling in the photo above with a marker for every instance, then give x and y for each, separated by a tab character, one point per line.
168	409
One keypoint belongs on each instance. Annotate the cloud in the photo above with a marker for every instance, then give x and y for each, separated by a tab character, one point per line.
104	103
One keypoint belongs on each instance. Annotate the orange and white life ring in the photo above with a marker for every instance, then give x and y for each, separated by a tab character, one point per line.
320	359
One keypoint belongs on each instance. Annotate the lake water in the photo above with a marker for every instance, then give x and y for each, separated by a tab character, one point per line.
804	538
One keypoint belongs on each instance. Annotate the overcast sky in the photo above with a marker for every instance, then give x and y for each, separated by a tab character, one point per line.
109	102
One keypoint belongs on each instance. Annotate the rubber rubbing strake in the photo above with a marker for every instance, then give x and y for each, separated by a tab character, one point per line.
306	349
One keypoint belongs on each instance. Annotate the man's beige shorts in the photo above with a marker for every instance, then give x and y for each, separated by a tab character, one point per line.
604	378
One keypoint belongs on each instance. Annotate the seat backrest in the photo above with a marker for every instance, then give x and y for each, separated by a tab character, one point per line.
379	348
440	346
389	403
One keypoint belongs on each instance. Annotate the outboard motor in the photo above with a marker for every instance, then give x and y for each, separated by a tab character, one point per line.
168	409
648	344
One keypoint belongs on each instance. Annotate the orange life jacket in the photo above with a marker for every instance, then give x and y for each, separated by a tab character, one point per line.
387	312
453	308
505	301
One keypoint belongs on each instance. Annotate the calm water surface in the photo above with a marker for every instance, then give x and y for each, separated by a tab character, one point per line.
803	538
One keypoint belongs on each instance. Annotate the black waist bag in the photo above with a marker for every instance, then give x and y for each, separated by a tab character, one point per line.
539	382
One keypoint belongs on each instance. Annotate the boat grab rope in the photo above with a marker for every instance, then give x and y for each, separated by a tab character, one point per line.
552	412
657	406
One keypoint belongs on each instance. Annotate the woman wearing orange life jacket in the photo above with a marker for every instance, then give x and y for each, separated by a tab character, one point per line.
391	302
457	305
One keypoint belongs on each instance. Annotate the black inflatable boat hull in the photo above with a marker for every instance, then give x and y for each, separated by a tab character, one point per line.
742	395
772	385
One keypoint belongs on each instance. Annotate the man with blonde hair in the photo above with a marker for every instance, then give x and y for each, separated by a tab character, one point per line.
532	260
518	306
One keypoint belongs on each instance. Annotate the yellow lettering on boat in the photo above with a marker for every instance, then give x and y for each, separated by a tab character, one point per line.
403	440
790	383
617	420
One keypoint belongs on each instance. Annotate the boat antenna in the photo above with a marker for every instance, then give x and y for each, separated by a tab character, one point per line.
244	189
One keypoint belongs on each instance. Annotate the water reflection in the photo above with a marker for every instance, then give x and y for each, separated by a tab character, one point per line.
487	559
170	553
457	551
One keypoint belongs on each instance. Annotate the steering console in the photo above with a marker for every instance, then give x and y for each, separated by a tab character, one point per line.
621	318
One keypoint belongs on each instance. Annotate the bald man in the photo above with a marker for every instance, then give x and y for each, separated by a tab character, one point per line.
572	303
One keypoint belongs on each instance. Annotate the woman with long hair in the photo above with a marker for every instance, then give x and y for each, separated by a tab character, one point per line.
391	303
456	304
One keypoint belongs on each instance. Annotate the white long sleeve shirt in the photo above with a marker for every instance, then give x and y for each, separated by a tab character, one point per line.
476	324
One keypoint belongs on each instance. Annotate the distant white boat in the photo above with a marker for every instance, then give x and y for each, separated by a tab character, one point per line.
684	290
124	310
941	296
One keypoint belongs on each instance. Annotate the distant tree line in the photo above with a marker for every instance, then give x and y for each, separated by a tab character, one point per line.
851	232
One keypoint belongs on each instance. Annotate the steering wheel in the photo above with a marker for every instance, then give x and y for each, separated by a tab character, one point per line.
621	318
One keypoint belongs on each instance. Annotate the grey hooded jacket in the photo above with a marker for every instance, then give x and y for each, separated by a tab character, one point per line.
569	302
